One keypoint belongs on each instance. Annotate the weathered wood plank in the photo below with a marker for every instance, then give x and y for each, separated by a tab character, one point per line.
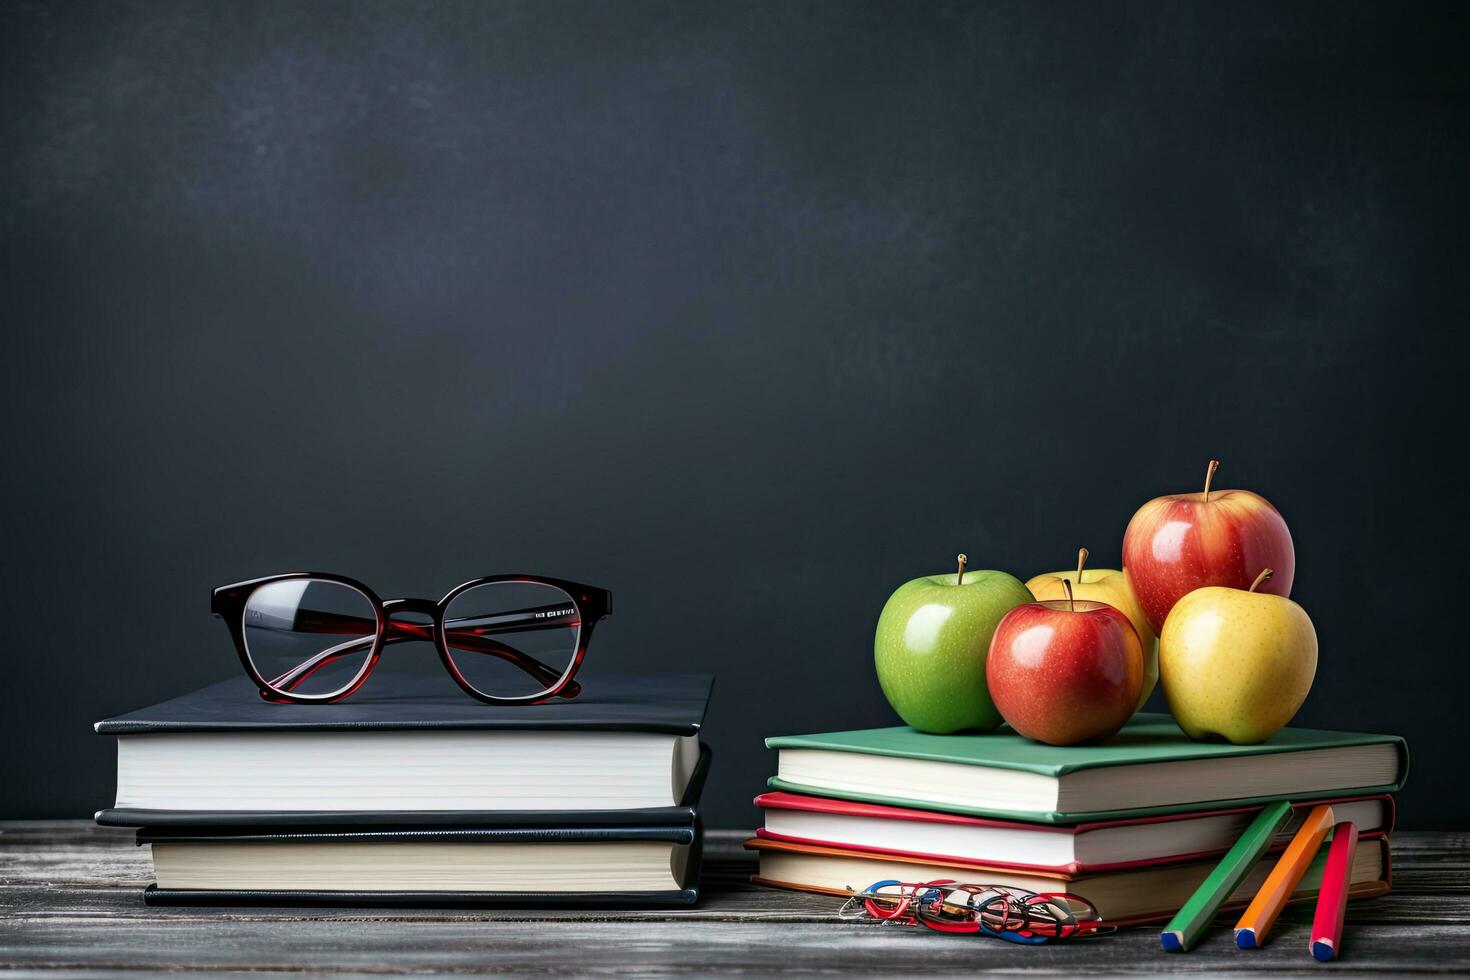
69	902
663	947
753	905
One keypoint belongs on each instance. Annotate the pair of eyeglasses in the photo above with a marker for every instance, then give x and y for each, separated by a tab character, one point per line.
944	905
313	637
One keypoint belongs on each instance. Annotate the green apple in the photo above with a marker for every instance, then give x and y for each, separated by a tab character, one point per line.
1236	662
931	643
1109	586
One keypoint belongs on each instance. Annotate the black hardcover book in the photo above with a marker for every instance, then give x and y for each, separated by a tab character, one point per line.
454	867
420	752
668	704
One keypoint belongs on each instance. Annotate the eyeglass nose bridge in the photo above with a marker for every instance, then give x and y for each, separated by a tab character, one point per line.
398	630
423	607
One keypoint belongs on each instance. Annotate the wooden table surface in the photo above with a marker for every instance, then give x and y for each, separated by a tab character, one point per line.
70	906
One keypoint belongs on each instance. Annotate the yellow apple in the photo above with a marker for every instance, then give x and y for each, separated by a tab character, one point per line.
1236	662
1109	586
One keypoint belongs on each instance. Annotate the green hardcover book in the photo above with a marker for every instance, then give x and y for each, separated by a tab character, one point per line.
1150	767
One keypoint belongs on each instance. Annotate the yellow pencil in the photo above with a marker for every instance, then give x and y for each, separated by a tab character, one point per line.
1251	930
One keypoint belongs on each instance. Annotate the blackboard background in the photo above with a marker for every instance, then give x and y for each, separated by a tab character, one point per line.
748	312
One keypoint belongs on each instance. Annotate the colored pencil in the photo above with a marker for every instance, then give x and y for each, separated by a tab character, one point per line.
1332	899
1250	931
1184	930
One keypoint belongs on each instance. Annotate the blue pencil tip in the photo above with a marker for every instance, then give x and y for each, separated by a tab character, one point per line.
1245	938
1172	942
1323	950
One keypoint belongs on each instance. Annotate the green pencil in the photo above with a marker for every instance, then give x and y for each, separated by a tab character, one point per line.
1183	931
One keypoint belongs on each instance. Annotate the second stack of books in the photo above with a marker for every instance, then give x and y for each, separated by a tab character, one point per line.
426	797
1133	826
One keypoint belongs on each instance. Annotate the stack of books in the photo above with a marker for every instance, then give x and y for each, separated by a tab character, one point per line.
1133	826
422	797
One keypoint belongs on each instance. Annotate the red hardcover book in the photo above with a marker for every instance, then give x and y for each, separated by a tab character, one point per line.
1063	849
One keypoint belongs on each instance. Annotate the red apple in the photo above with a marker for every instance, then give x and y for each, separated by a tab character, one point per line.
1065	671
1188	541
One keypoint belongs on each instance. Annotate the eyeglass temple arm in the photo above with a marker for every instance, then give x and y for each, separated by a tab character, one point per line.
313	621
512	621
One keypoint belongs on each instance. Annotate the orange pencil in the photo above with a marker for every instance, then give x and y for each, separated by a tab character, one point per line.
1251	930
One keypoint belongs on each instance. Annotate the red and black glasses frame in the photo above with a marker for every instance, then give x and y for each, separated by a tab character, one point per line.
589	604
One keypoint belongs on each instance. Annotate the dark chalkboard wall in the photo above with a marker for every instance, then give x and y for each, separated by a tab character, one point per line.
748	312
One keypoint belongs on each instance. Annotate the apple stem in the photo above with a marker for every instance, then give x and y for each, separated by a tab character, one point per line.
1081	560
1071	603
960	575
1210	477
1265	574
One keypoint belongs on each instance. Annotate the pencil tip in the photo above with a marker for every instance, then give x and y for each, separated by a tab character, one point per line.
1245	938
1173	942
1323	949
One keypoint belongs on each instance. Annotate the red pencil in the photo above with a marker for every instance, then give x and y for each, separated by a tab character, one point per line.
1332	899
